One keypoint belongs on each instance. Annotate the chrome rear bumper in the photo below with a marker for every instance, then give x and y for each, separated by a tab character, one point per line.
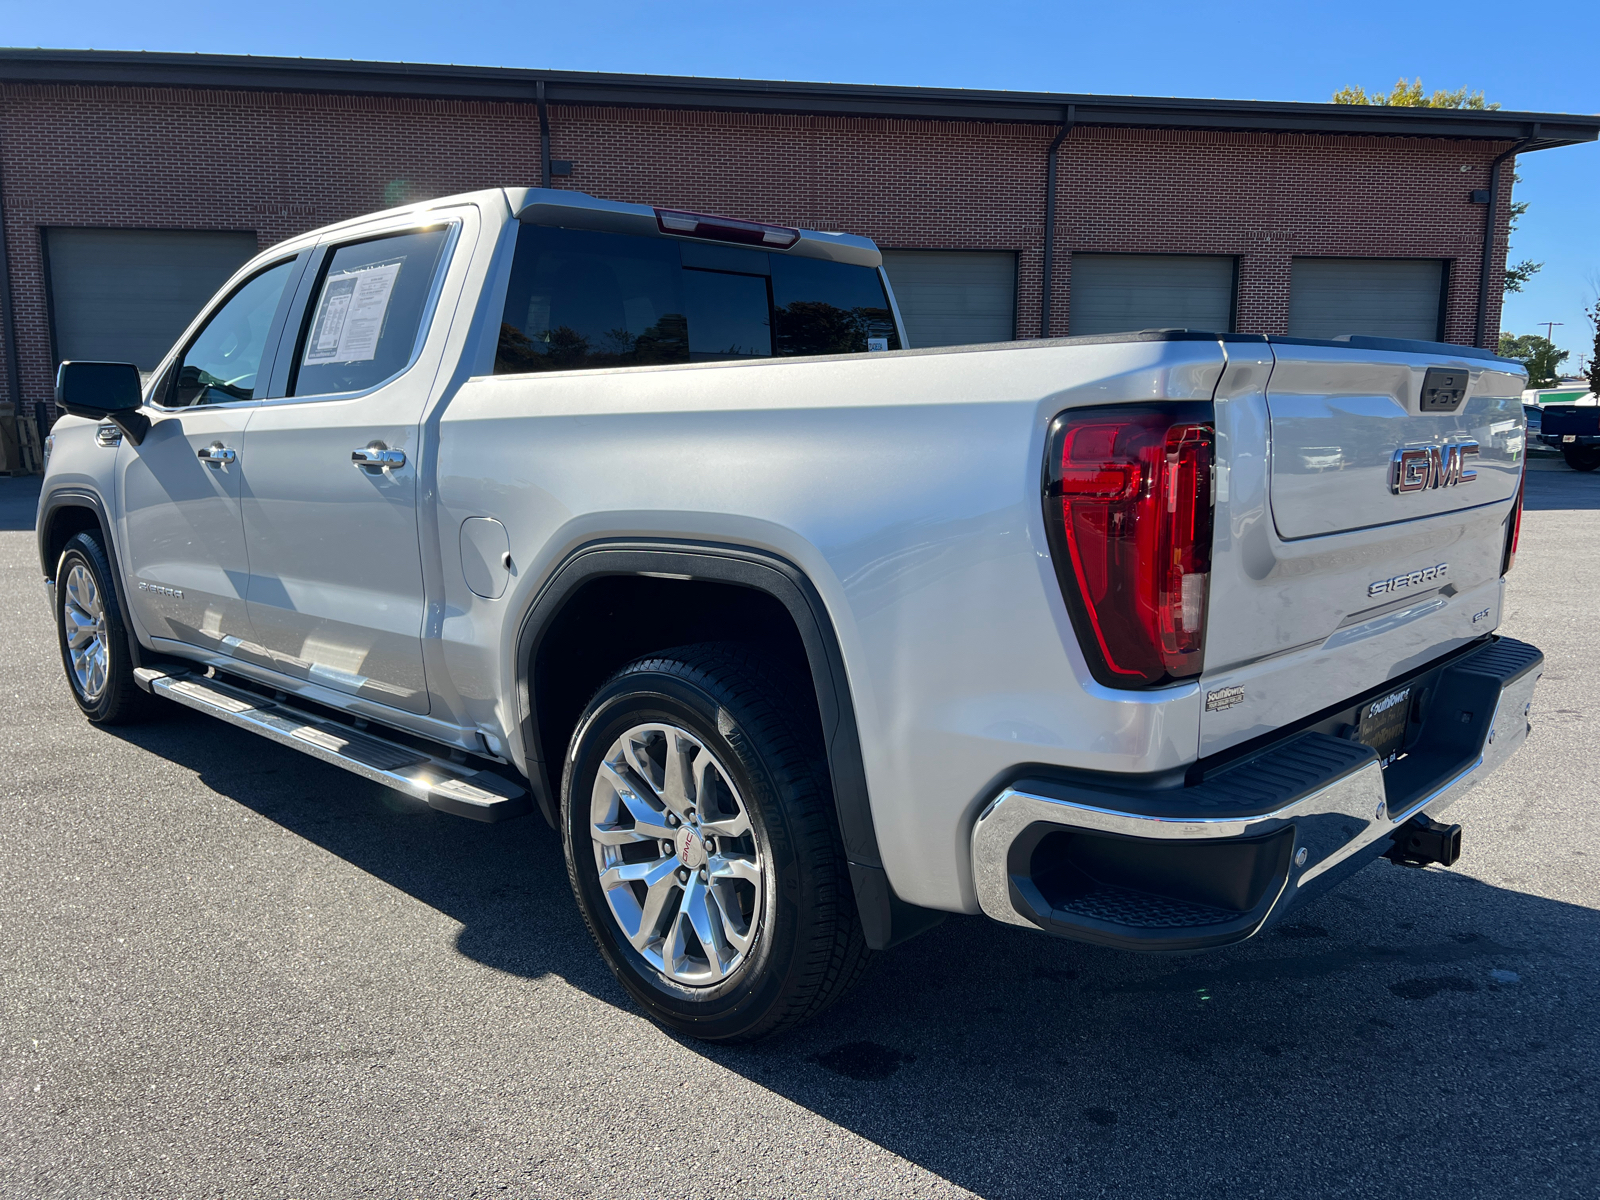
1208	865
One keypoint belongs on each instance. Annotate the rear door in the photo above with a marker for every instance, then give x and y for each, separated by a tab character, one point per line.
330	494
1337	568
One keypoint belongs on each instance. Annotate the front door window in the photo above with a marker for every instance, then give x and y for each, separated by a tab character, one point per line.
223	362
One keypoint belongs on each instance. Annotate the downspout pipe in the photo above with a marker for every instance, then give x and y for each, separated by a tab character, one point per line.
1067	122
544	136
8	322
1490	216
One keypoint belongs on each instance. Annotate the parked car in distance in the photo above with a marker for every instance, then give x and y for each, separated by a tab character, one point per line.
1568	421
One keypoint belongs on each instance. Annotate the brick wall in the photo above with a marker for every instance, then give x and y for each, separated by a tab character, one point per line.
1270	197
279	164
273	163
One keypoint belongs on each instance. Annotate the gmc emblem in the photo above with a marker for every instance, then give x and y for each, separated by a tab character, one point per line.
1417	468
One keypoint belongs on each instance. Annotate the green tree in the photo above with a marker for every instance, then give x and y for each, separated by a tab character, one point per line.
1411	95
1538	354
1519	273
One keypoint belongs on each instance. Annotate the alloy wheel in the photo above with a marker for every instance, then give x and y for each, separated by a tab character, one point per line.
678	861
83	618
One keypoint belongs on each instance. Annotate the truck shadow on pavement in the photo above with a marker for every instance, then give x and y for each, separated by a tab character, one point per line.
1414	1025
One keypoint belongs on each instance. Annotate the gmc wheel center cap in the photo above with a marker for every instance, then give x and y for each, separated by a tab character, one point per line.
691	850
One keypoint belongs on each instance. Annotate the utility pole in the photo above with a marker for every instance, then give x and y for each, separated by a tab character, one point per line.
1549	329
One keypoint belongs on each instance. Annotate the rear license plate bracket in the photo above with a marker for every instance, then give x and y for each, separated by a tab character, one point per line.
1382	724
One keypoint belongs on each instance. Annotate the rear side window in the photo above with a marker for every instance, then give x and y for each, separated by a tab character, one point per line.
362	325
828	307
580	299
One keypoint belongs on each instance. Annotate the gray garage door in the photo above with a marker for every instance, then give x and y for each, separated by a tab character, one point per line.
125	295
1382	297
1114	293
954	297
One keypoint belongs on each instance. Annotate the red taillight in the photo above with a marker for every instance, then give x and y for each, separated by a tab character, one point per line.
1514	530
1128	510
725	229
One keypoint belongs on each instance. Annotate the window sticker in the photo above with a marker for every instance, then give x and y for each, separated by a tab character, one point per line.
350	315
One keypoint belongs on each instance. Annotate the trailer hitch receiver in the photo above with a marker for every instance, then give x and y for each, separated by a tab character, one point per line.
1422	840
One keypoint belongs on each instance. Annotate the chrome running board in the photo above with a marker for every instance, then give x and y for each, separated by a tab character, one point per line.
445	785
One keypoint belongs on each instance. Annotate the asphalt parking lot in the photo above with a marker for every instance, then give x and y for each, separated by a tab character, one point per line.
230	971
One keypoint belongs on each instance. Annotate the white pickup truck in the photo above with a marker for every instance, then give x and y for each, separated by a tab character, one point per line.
650	521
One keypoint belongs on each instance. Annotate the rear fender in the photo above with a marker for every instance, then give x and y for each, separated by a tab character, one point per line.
886	919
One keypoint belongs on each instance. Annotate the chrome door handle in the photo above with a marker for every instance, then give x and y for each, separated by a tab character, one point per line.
378	456
216	455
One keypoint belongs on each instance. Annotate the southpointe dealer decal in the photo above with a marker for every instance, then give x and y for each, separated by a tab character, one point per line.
1223	698
1388	702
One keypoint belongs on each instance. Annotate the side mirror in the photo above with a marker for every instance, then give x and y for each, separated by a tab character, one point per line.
103	391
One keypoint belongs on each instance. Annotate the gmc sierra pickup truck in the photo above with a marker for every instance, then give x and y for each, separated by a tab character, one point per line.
651	521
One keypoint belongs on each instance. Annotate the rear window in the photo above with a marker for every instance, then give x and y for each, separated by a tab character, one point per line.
580	299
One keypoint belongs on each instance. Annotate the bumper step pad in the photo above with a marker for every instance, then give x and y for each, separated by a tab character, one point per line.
1143	910
442	784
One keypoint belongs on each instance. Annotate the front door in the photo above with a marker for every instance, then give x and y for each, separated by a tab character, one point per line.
330	487
183	536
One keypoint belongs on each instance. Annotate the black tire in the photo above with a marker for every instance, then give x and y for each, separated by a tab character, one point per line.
1581	458
805	944
118	700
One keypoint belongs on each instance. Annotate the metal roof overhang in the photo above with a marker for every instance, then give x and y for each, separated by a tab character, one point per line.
116	68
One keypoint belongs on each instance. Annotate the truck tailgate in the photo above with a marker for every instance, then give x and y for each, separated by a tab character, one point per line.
1337	418
1327	581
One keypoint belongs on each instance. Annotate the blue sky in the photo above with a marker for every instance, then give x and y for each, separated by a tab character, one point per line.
1541	61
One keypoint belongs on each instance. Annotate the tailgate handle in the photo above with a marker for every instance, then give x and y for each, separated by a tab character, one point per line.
1443	389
